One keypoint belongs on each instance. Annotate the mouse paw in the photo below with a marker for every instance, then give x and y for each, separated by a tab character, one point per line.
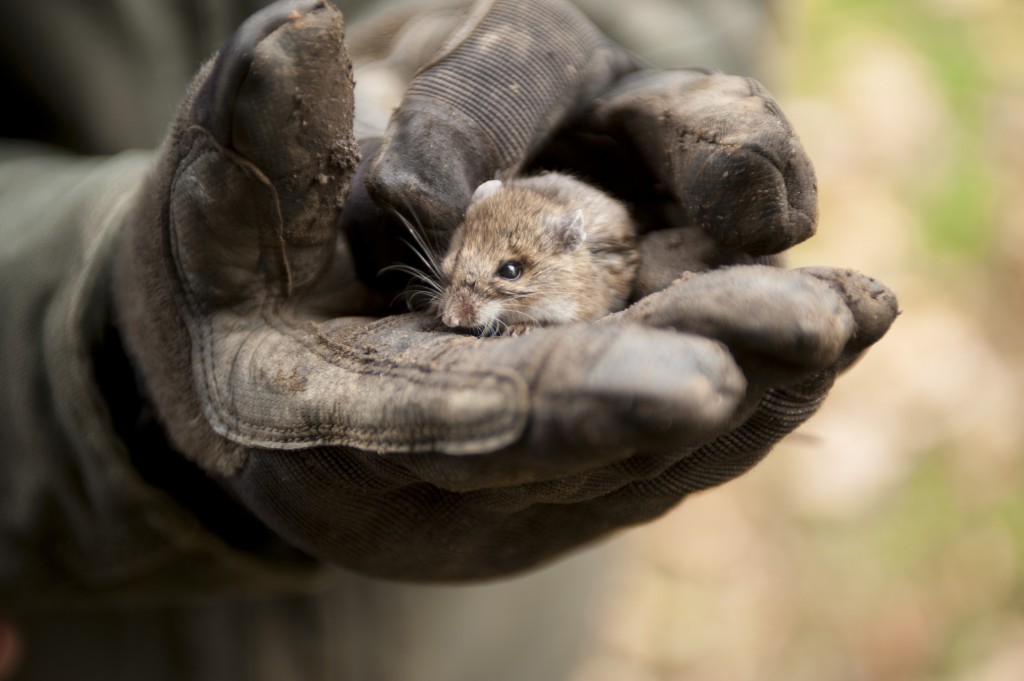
516	330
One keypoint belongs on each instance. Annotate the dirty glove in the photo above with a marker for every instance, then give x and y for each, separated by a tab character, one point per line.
391	446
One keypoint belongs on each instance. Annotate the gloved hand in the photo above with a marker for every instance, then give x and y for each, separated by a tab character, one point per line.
391	446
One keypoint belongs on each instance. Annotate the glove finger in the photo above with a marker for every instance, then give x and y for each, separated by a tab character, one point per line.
241	208
277	103
769	415
666	254
788	330
783	317
512	73
563	397
874	307
719	145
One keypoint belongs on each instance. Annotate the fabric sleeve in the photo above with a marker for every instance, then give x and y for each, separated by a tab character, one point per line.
77	518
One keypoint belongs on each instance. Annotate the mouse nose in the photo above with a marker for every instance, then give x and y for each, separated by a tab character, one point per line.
459	312
449	319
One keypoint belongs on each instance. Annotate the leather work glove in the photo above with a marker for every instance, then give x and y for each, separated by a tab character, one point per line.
391	446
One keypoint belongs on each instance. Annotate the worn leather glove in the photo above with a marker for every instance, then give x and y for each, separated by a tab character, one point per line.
391	446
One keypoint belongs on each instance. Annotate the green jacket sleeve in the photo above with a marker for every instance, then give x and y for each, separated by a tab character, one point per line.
77	518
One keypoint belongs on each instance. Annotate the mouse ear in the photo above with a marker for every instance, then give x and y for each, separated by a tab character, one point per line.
487	189
568	230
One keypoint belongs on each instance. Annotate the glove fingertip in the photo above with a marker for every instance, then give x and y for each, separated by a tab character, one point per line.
873	305
213	106
744	200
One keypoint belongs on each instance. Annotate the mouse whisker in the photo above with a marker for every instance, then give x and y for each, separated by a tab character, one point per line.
424	290
413	292
428	298
495	328
423	250
426	258
417	298
523	316
415	273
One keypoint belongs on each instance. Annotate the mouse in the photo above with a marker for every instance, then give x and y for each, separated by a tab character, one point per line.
536	251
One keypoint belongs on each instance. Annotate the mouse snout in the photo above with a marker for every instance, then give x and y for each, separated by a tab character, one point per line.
459	310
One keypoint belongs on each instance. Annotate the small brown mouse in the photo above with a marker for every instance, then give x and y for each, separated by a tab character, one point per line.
535	251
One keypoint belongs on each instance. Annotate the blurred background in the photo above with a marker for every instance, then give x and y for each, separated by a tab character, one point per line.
884	539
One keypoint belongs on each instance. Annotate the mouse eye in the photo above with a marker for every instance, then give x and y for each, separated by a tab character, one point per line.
510	269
